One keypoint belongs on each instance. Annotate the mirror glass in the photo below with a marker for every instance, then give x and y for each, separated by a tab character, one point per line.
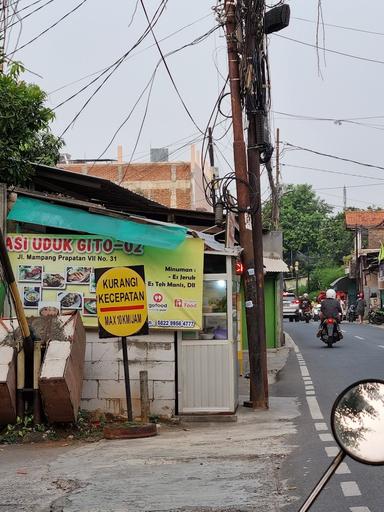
358	421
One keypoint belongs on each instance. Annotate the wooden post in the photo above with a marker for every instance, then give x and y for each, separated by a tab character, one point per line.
144	396
20	402
36	394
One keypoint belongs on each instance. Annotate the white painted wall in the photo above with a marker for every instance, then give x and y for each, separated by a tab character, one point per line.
103	385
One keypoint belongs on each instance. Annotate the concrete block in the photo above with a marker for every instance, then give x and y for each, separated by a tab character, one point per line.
156	370
101	370
111	406
6	357
107	351
90	389
88	351
55	359
116	389
151	351
163	408
164	390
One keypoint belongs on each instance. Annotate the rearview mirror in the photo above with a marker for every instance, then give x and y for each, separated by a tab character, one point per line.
357	421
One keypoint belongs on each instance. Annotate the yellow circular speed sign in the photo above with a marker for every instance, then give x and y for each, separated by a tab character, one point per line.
121	300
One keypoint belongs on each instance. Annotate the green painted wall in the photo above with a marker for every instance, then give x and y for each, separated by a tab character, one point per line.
270	313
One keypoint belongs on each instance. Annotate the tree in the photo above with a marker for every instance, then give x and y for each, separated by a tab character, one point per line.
301	215
25	136
312	234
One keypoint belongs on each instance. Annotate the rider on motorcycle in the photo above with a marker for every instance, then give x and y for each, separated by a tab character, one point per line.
330	308
305	303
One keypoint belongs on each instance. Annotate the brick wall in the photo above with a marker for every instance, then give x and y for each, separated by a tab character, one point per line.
103	385
375	237
168	183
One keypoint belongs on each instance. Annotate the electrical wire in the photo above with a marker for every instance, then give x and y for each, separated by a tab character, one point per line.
337	121
50	27
150	85
32	12
167	68
332	172
111	68
131	56
354	29
350	55
363	164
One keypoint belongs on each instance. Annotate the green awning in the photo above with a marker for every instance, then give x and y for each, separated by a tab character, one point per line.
34	211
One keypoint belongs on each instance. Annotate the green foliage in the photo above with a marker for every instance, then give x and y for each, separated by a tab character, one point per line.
22	429
312	235
25	136
322	277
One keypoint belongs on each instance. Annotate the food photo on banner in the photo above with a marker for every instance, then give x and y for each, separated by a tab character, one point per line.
58	271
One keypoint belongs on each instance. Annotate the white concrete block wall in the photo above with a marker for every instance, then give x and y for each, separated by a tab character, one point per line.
103	385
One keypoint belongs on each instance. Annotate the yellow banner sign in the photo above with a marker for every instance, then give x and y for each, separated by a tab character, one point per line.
58	271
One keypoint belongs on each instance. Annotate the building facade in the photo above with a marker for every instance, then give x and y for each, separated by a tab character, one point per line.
173	184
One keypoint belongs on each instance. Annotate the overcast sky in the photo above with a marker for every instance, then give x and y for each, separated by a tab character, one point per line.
99	32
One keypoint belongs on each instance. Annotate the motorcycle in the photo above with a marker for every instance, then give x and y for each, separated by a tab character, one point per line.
307	315
357	421
376	316
351	313
330	332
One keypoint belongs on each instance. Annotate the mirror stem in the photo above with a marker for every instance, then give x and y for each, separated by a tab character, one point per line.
323	480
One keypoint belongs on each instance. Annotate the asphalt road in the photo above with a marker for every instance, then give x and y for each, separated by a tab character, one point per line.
316	375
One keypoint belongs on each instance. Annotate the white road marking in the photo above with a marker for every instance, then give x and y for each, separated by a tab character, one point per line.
380	346
350	489
359	338
310	393
321	426
332	451
326	438
308	387
307	378
314	408
343	469
359	509
304	371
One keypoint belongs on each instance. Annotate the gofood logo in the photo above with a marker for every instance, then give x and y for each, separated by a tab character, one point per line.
157	304
157	297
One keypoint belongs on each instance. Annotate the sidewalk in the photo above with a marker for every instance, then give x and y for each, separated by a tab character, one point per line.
201	467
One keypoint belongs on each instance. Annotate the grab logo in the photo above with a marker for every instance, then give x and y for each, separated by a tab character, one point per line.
157	297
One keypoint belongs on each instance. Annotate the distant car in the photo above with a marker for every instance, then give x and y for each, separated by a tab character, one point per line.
291	307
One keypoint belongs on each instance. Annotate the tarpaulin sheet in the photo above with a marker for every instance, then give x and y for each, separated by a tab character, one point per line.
35	211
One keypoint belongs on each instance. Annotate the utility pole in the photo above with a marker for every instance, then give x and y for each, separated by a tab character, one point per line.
3	28
256	116
243	198
276	217
344	198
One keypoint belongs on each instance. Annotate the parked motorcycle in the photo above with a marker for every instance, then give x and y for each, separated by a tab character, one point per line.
376	316
351	313
357	421
330	332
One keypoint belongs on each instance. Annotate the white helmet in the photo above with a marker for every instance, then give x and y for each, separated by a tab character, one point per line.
305	295
330	294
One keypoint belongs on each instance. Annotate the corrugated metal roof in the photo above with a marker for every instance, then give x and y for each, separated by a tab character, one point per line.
275	265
